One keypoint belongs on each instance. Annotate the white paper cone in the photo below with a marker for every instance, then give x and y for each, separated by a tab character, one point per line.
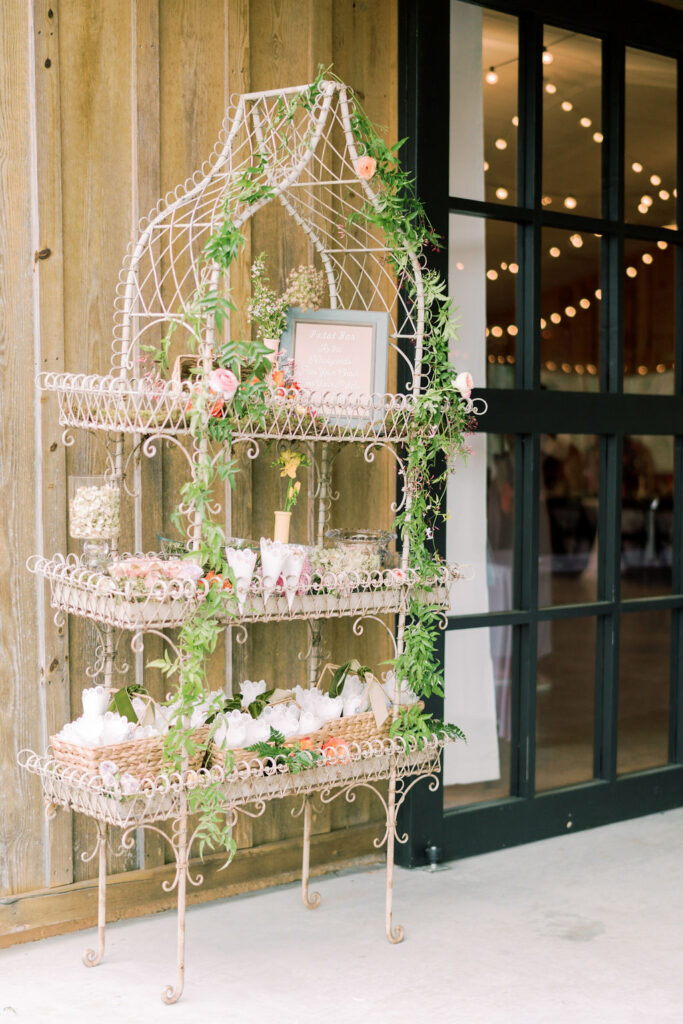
273	555
242	562
291	571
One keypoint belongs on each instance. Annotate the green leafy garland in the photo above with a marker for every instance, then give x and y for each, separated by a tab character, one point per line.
436	437
440	419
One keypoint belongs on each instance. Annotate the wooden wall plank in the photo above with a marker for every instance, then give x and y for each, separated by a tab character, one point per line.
97	168
54	669
22	857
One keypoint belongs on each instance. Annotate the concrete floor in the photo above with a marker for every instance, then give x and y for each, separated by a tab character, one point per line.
583	928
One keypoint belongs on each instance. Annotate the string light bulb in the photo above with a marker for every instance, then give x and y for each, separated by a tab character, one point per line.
555	318
663	194
585	303
585	122
570	202
661	244
655	179
598	136
547	57
636	167
515	121
491	76
501	193
569	311
550	88
567	106
646	200
492	275
500	144
631	272
647	258
576	240
554	252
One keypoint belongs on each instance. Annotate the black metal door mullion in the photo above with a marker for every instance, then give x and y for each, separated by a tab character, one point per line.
611	382
527	377
676	682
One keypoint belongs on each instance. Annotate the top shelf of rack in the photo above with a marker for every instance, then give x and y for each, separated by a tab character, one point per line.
131	406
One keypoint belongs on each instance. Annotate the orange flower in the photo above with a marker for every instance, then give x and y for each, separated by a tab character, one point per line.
366	167
336	751
214	579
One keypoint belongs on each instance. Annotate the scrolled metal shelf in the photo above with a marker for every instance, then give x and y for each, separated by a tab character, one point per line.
81	591
136	406
254	781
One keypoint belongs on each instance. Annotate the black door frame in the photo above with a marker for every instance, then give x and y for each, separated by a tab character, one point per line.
527	412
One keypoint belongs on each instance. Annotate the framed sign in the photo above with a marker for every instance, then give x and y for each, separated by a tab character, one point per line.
343	351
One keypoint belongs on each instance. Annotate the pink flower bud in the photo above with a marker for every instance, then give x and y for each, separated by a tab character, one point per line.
464	384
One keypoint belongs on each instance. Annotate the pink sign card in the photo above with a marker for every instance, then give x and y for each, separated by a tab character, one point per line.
338	350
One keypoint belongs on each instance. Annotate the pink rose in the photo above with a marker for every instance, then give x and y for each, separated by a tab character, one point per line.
223	382
464	384
366	167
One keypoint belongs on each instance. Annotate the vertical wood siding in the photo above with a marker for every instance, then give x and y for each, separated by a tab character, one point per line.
104	107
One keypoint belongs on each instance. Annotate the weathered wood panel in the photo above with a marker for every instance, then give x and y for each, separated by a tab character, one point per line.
129	106
95	71
22	833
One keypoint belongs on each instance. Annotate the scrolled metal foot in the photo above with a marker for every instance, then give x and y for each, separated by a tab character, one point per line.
397	934
91	957
310	900
170	994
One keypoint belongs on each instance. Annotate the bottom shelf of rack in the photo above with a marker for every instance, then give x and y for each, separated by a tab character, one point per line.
255	781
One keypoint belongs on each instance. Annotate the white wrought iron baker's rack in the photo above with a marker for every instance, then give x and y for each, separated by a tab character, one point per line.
302	144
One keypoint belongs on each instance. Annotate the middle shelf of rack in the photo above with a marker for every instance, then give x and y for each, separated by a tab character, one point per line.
130	604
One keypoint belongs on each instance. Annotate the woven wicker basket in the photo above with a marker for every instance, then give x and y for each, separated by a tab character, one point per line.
354	729
141	758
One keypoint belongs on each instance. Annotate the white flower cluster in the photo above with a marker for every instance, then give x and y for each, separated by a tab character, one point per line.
94	513
345	560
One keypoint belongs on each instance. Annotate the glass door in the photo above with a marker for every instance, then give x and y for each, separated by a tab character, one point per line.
554	182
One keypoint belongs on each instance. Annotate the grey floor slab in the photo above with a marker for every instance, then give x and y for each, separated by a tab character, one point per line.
582	928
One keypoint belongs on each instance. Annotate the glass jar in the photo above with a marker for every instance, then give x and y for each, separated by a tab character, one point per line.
94	516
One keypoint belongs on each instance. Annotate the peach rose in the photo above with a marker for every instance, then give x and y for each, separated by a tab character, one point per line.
366	167
223	382
464	384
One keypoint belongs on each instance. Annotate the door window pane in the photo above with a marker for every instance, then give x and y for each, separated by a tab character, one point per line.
643	720
568	519
482	273
572	127
647	516
649	315
565	702
484	67
480	530
650	139
479	700
570	310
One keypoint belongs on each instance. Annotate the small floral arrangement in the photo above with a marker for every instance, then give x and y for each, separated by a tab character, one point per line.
94	512
147	572
305	287
289	462
267	310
